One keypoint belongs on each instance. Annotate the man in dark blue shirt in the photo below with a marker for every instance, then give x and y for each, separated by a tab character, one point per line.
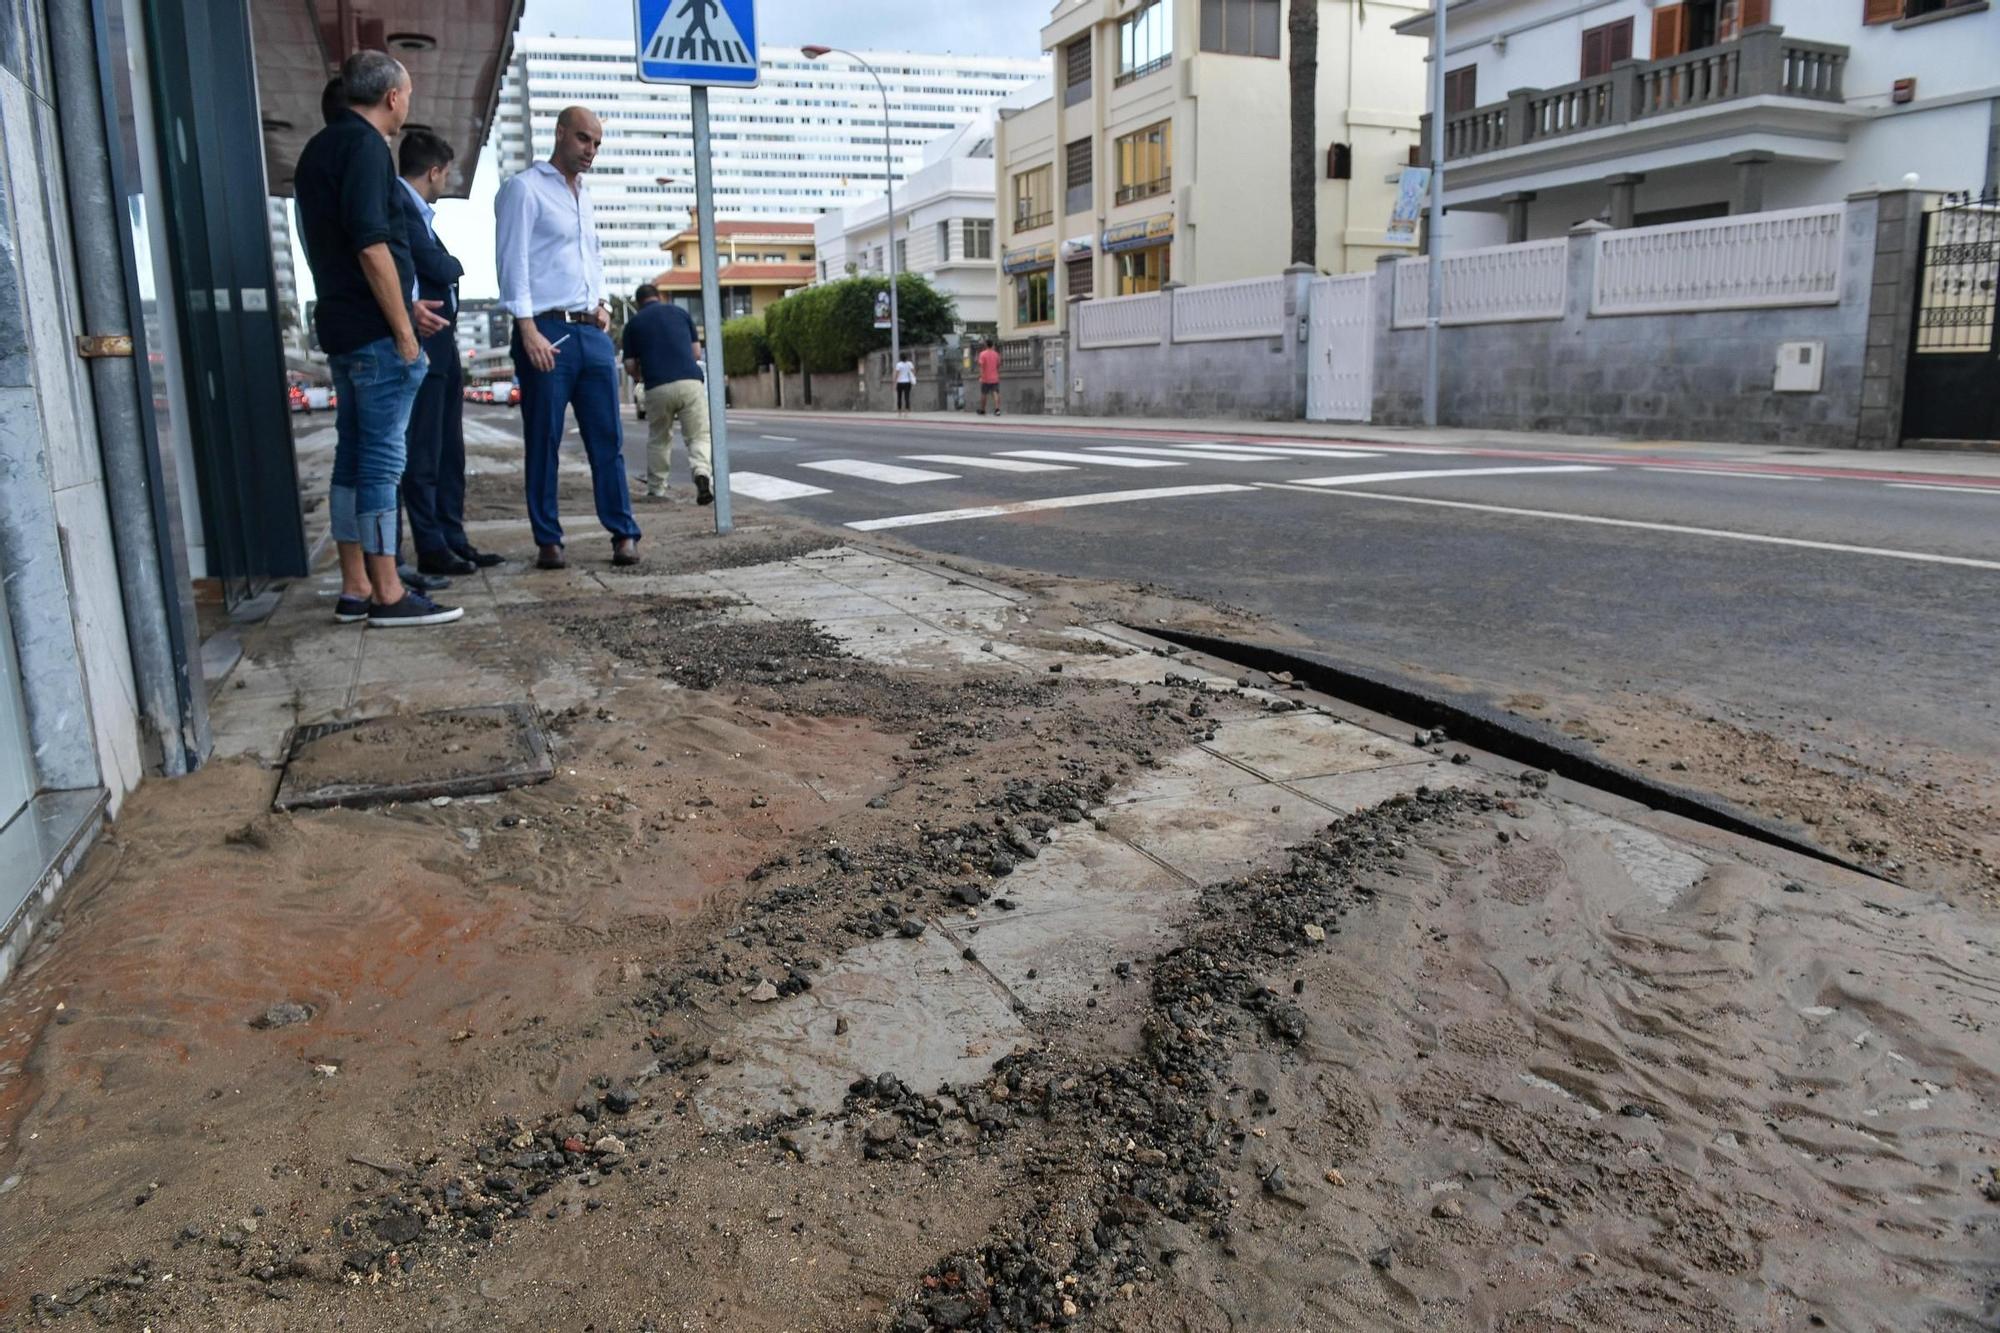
663	350
368	322
434	471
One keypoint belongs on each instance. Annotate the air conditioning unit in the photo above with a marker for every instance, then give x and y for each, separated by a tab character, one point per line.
1801	367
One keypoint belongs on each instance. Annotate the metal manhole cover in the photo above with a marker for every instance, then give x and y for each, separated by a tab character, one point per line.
454	752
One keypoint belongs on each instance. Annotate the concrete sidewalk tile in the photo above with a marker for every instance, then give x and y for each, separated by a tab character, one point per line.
912	1006
1364	789
1308	745
1216	837
1190	774
1145	669
829	607
1087	902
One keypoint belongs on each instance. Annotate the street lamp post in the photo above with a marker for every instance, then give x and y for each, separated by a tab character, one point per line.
889	180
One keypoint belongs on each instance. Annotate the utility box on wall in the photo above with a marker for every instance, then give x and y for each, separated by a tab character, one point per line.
1801	367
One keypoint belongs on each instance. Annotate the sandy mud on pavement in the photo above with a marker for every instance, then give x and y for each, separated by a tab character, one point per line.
891	951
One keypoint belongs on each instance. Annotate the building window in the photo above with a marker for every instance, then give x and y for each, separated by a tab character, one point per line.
1082	275
1146	40
1241	27
944	243
1076	71
1034	199
774	259
822	270
1076	177
1605	46
1461	89
977	238
1888	11
1035	297
1141	271
1146	162
902	254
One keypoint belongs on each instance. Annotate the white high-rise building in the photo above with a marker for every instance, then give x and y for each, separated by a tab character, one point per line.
804	142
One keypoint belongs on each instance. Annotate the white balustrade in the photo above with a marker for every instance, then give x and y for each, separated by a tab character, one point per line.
1219	311
1122	321
1785	258
1497	285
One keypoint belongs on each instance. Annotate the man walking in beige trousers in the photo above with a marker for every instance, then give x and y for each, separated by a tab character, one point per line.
663	351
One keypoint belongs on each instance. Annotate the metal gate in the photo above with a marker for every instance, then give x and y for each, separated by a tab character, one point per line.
1340	380
1953	389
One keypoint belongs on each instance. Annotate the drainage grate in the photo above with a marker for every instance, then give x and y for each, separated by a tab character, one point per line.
416	757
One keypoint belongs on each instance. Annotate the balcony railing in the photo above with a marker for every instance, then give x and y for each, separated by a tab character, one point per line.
1026	221
1144	189
1763	62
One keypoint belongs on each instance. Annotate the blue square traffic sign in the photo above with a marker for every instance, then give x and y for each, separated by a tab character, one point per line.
698	42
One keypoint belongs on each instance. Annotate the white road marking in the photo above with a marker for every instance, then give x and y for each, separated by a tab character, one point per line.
1307	450
1095	460
1032	506
762	486
1370	478
1725	472
889	472
782	439
985	461
1188	451
1933	486
1923	557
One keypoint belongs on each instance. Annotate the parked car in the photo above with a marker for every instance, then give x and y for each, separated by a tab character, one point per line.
317	398
513	392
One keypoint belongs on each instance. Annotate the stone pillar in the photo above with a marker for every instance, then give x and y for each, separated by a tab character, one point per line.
1892	310
1750	171
1517	203
1624	196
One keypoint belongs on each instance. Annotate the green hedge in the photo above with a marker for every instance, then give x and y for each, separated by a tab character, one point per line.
830	327
745	350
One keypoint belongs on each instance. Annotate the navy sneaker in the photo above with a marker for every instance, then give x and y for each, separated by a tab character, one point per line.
414	609
350	610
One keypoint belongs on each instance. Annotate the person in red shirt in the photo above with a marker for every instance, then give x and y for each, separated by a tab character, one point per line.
989	378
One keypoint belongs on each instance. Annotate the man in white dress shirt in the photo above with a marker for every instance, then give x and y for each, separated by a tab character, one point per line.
552	282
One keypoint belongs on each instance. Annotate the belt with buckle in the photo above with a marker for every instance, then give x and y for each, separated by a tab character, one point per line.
569	316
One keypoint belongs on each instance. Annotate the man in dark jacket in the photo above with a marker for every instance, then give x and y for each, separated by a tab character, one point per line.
369	324
434	473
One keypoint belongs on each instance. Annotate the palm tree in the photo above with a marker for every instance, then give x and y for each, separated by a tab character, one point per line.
1303	24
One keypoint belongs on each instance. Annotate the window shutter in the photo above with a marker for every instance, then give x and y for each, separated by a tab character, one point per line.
1756	13
1881	11
1670	31
1620	42
1594	62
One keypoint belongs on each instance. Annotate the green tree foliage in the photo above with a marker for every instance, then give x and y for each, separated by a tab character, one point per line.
745	350
830	327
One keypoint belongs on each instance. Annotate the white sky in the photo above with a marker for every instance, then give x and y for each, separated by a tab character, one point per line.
954	27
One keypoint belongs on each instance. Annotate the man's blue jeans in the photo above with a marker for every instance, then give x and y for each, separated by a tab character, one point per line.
586	377
376	388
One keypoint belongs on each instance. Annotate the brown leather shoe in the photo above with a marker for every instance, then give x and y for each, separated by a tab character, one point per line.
551	557
624	551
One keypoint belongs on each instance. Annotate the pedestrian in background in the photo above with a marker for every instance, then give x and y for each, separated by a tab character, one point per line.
552	282
663	352
434	469
989	378
906	383
368	324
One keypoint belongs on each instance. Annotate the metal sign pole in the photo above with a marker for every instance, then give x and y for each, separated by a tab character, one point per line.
711	308
1434	310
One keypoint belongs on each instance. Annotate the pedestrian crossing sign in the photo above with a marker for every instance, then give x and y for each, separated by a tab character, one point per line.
707	42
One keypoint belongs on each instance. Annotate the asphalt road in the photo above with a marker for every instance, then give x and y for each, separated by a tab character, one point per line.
1776	591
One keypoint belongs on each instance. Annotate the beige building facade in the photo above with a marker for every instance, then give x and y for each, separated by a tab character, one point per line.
1162	154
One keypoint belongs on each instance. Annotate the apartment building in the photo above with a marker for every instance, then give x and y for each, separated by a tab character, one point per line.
757	262
1638	112
1163	153
945	219
807	140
